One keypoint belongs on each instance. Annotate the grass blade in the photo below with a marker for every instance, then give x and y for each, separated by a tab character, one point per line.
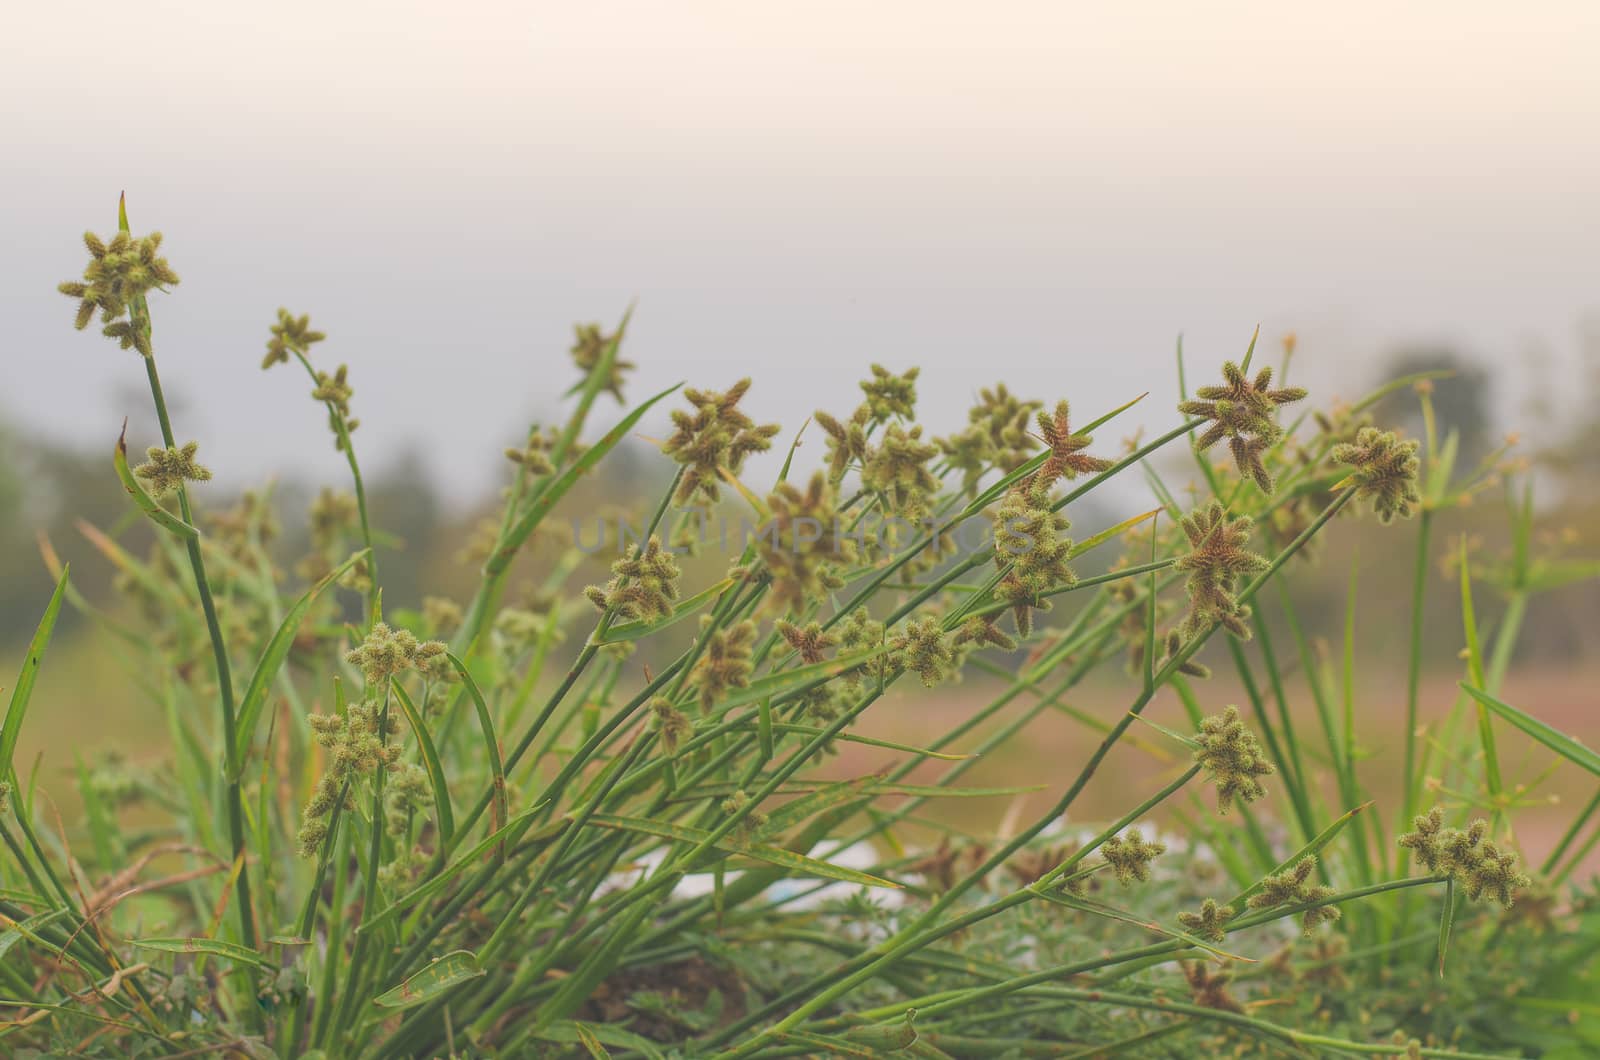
147	504
1557	741
490	742
231	951
450	970
255	694
430	761
547	499
17	709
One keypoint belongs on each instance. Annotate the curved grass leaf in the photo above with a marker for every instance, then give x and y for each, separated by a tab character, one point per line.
450	970
787	680
430	761
25	929
231	951
255	694
490	741
1557	741
147	504
547	499
760	851
591	1043
17	709
569	1032
1317	844
1446	920
870	741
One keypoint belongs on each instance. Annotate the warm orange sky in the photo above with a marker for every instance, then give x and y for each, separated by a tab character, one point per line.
1040	193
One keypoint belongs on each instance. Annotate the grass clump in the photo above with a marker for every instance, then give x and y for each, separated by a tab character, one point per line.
372	841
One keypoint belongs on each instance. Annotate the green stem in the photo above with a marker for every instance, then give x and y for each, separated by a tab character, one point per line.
1408	804
342	430
219	652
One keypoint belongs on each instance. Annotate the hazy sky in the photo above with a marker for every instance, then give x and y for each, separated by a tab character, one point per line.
1040	193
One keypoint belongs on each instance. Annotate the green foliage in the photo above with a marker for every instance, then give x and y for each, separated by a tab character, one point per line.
568	850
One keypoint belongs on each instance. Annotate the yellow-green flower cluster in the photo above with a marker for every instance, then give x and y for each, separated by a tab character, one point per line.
386	653
120	272
1217	559
1030	543
1385	474
800	545
644	584
715	438
1232	759
1293	887
167	469
1242	411
1129	856
290	335
1465	856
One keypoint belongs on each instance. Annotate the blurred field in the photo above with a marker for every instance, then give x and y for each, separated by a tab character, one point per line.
85	706
1050	751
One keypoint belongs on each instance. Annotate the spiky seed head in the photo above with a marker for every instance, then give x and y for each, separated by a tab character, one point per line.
1385	472
1232	759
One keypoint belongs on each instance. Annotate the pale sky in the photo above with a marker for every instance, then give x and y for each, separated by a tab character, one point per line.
1040	193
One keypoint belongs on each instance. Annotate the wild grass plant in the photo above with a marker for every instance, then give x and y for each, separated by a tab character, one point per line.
388	833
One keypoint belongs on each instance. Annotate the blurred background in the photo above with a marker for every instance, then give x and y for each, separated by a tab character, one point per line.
1043	194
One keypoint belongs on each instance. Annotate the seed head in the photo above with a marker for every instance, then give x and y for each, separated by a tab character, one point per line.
801	546
980	631
388	652
331	515
335	392
589	345
890	395
896	469
1218	556
167	469
847	441
1232	759
860	630
1066	460
717	436
644	586
926	650
1292	888
724	663
1210	988
1210	923
1130	856
1386	470
120	272
1030	539
1242	410
535	455
751	824
812	642
1464	855
290	335
673	724
1004	418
